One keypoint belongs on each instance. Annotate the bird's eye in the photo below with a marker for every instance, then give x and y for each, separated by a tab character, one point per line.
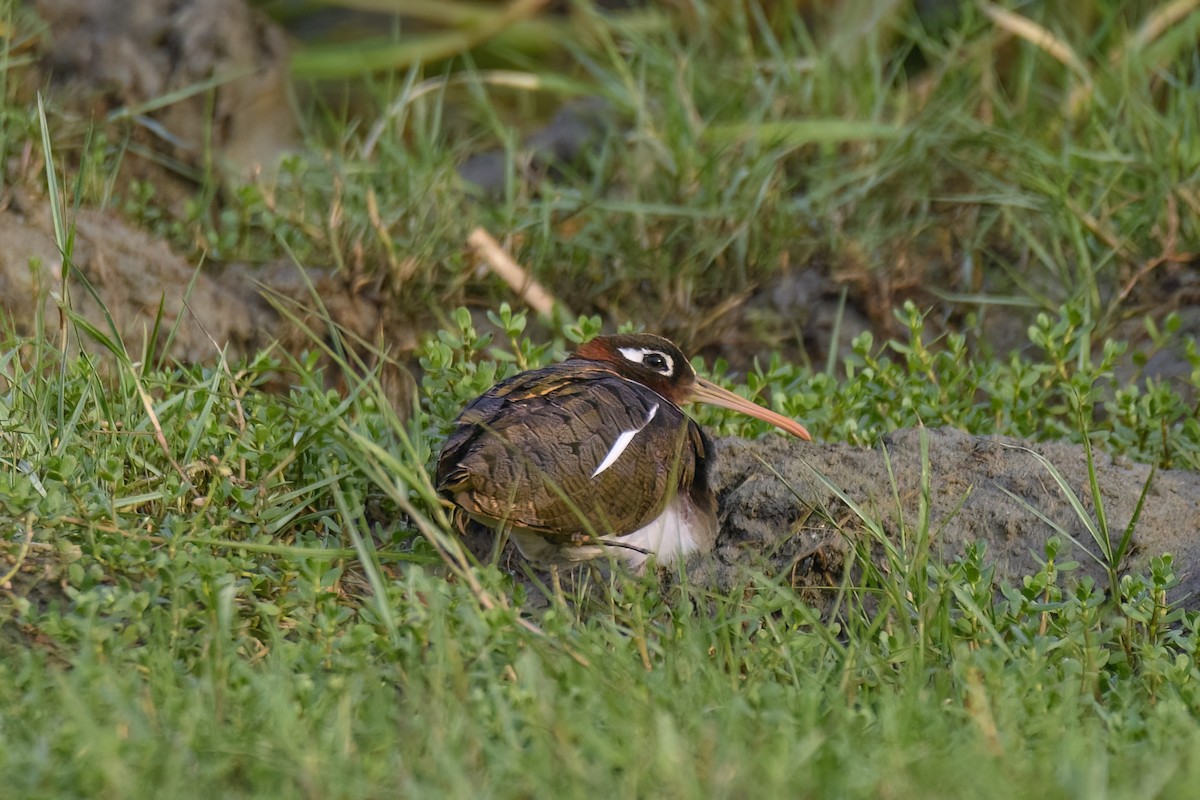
658	362
652	359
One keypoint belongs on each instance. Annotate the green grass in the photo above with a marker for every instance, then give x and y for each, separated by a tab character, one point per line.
258	614
217	591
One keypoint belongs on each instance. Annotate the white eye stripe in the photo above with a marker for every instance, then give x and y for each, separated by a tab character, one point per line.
622	442
639	355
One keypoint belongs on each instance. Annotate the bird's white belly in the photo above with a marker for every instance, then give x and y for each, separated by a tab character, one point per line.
679	531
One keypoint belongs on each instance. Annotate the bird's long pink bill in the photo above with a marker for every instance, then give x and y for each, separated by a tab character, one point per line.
706	391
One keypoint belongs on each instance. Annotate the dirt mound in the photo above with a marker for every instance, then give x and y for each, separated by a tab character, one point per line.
788	522
133	272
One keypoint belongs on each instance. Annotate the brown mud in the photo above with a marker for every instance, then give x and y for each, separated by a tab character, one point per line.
232	309
779	514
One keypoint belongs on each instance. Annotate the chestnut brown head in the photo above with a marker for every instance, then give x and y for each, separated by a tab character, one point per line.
658	364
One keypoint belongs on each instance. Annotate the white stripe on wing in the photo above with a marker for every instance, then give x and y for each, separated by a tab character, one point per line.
623	441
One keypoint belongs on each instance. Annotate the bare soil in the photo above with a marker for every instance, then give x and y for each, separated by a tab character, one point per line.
779	514
232	308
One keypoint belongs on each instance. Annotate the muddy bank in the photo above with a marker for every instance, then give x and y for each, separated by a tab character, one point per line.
788	523
229	309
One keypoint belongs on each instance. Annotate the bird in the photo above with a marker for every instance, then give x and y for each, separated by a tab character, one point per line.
594	456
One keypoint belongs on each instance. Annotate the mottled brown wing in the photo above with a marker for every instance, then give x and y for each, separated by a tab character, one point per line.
529	453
